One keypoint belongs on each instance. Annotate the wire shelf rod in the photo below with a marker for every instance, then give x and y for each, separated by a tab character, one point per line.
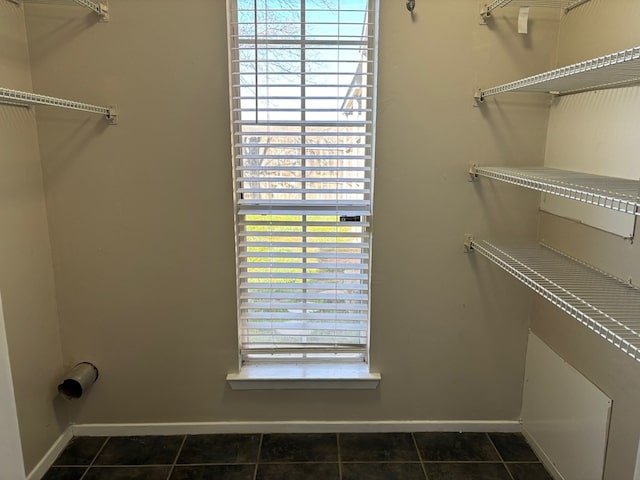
617	194
17	97
616	69
567	5
604	304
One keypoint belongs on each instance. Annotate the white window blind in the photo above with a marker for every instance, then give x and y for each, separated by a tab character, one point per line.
302	88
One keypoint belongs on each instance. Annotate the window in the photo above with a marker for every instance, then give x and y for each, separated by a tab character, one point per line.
302	88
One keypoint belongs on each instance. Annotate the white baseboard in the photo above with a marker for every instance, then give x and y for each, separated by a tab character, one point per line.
546	461
194	428
43	465
125	429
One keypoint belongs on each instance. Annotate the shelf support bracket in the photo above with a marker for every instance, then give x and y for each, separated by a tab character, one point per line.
478	97
473	171
112	114
485	11
468	243
103	12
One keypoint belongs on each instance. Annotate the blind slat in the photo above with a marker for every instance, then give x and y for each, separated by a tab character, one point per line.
267	287
308	305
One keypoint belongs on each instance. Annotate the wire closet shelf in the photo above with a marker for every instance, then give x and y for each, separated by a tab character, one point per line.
566	5
613	70
599	301
17	97
619	194
100	8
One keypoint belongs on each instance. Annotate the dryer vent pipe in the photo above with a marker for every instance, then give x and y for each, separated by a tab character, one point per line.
78	380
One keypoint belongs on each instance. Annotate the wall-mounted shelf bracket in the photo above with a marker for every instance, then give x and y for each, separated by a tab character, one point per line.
478	97
112	114
485	11
25	99
473	171
468	242
566	5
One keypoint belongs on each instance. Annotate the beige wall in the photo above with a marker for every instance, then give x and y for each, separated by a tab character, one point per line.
142	223
598	28
26	273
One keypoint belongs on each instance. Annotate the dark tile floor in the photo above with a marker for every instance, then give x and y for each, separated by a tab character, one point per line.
322	456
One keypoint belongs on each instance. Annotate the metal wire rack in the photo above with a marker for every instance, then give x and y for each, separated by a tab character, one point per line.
615	69
567	5
16	97
604	304
617	194
100	8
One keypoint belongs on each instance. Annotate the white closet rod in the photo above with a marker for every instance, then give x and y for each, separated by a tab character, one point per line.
100	8
16	97
566	4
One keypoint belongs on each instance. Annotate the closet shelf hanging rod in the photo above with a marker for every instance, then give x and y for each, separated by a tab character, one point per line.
100	8
567	5
16	97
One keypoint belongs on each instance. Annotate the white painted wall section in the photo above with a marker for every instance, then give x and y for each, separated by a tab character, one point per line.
595	132
565	416
10	446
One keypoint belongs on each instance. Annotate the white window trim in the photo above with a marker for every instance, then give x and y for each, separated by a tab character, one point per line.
347	375
308	376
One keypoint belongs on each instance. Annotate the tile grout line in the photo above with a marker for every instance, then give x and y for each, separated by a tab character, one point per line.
95	458
415	444
339	456
301	462
175	461
499	455
193	464
255	470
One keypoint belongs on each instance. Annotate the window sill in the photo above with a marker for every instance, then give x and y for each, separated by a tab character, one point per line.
304	377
